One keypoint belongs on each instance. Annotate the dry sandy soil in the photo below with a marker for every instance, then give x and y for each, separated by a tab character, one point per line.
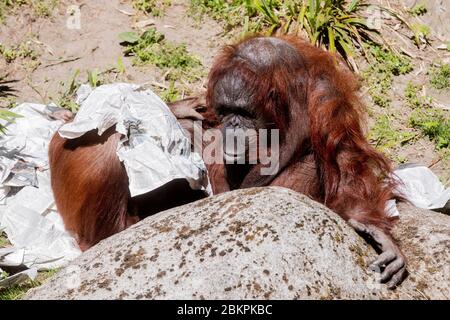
62	51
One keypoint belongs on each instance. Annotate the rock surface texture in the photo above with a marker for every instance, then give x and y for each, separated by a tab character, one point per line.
261	243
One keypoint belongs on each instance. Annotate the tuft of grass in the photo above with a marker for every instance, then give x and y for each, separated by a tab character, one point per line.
93	78
44	8
18	291
7	116
394	63
230	13
120	68
421	33
41	8
171	94
385	137
401	159
418	10
6	91
336	25
151	47
7	6
154	7
414	99
66	100
440	76
180	68
22	51
379	75
6	88
3	241
434	124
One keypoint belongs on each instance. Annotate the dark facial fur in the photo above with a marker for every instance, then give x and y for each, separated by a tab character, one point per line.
256	64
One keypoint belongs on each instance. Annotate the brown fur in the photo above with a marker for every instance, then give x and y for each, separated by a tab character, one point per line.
324	153
90	185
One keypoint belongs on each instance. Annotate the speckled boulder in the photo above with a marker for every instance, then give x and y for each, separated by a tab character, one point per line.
265	243
424	237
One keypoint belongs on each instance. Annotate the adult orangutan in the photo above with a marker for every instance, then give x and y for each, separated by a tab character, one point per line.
259	83
288	84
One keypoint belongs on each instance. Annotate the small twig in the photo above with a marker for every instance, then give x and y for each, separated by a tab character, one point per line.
157	84
111	69
409	54
62	61
399	34
166	74
35	89
440	105
48	47
435	162
423	294
185	83
126	12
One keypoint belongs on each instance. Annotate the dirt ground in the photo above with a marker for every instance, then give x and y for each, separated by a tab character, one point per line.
60	51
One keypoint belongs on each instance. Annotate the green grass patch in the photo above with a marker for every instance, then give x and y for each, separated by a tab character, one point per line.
41	8
421	33
231	14
180	67
6	94
18	291
151	47
7	116
385	137
154	7
44	8
20	51
418	10
6	88
94	77
4	242
69	88
379	74
171	94
413	97
434	124
336	25
440	76
6	6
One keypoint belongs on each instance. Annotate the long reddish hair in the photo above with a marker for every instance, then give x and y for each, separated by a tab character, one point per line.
355	180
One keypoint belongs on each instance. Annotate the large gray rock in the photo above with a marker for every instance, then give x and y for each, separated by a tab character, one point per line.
424	237
267	243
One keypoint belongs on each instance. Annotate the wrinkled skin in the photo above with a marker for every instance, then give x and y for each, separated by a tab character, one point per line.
188	108
391	260
61	114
